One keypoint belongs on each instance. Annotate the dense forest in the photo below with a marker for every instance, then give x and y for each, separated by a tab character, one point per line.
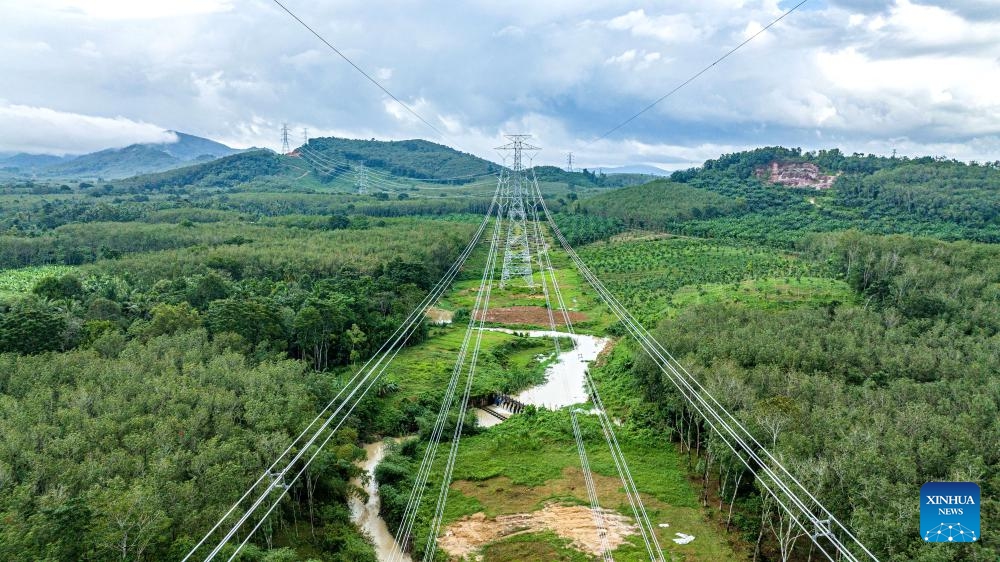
865	403
165	356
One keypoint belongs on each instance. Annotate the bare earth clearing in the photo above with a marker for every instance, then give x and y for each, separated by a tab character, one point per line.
575	523
439	315
537	315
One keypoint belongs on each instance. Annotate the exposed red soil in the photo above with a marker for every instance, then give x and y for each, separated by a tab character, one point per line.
535	315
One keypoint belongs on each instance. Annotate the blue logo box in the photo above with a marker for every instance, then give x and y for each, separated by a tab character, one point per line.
949	512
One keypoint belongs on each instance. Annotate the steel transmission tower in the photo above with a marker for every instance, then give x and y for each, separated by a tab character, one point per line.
361	179
513	187
569	162
285	147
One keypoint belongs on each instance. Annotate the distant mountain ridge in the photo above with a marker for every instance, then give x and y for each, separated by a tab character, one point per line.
28	162
637	169
116	163
189	147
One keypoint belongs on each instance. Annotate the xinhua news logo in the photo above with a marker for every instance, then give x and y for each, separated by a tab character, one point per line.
949	512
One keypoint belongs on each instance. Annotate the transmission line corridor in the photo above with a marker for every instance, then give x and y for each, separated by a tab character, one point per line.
517	265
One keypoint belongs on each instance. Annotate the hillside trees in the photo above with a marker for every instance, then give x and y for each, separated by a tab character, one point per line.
131	457
863	400
30	325
726	199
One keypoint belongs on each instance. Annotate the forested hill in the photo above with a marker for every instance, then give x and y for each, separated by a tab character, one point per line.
221	173
407	158
735	196
589	178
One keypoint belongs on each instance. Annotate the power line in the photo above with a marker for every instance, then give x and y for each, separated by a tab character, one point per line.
367	373
358	68
699	73
644	525
725	425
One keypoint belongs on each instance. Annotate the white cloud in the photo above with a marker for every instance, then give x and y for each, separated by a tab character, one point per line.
633	60
132	9
510	31
88	49
900	94
25	128
675	28
626	57
844	73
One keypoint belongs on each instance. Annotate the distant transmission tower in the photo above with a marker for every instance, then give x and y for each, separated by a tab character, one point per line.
516	255
305	135
361	179
569	162
285	148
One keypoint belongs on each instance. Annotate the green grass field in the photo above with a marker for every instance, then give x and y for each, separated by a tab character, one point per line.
531	460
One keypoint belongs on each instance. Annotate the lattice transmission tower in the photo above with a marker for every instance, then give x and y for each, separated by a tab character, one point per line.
513	188
361	179
285	145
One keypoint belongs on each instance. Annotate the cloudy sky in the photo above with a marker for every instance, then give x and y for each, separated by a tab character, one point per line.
918	76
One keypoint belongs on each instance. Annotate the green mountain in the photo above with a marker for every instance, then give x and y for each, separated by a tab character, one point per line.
220	173
189	147
418	159
587	178
114	163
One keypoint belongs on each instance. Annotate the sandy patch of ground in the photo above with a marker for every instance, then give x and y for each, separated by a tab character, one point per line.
439	315
537	315
575	523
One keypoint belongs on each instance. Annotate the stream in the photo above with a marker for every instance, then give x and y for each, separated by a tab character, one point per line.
563	386
564	379
365	515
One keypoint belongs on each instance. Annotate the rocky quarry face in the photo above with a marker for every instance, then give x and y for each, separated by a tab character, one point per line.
796	174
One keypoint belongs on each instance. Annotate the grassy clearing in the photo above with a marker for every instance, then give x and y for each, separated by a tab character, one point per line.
533	546
769	293
531	460
15	282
